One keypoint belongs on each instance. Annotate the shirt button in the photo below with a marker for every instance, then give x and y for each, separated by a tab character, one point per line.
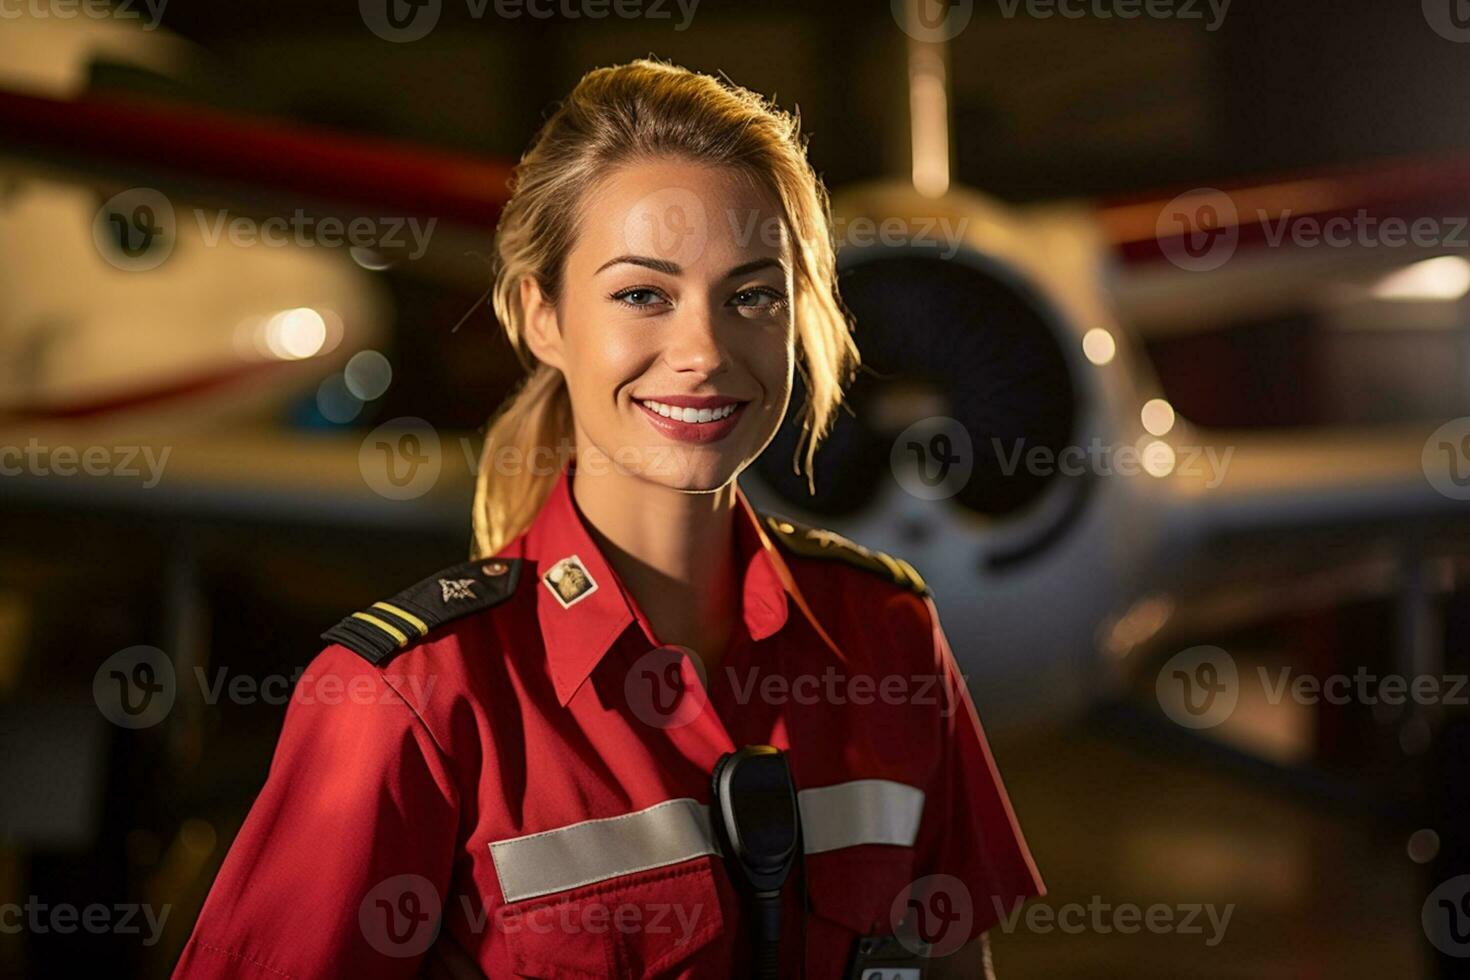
495	568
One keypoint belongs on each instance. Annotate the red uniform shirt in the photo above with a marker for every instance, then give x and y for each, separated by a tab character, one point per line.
537	772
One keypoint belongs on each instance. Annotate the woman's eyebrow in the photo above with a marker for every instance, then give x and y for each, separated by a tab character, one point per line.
757	265
674	269
657	265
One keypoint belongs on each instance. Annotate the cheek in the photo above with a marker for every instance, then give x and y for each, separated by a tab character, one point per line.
602	357
773	364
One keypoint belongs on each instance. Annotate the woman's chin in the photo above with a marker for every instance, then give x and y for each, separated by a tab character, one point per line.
701	481
697	471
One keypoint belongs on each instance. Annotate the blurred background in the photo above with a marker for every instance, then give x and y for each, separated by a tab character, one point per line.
1164	313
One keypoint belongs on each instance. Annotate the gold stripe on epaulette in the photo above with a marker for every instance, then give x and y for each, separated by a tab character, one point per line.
404	615
386	627
913	574
894	567
819	542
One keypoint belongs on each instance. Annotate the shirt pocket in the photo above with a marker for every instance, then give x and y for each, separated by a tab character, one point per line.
855	891
660	923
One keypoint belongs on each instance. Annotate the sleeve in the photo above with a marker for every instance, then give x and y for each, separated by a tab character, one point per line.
968	830
340	868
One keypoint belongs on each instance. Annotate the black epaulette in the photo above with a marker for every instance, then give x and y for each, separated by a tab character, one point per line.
816	542
385	628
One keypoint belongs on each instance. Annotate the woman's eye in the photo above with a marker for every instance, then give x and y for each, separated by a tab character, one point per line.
638	296
760	298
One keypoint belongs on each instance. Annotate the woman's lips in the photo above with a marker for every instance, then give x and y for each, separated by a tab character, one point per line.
695	432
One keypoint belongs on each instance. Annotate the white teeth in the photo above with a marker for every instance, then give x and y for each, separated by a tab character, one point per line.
691	414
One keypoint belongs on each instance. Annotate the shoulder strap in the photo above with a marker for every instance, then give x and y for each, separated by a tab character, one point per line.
385	628
816	542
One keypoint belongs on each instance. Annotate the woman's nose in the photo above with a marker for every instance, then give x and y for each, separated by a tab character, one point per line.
694	344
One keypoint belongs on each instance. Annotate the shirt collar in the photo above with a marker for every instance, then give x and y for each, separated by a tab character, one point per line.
577	634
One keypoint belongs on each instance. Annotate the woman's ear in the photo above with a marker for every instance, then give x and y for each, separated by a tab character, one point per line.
543	332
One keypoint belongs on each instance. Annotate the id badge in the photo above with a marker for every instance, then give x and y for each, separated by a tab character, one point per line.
885	958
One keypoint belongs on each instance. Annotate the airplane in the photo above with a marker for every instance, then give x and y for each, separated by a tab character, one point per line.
1083	523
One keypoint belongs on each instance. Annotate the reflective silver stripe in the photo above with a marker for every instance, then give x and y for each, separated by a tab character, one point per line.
864	811
596	850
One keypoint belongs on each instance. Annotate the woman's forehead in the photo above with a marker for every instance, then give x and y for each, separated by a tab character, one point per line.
688	214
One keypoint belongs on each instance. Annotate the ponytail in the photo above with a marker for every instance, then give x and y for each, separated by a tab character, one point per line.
519	463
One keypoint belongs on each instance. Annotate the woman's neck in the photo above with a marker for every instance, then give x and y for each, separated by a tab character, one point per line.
674	551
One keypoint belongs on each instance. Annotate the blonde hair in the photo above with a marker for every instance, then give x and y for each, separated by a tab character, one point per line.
646	110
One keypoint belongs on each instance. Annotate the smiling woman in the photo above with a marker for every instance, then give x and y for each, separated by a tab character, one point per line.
607	744
626	205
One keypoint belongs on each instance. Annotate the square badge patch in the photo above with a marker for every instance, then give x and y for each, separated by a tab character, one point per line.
568	581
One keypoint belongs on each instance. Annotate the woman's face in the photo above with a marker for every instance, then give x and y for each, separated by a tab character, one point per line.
673	327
